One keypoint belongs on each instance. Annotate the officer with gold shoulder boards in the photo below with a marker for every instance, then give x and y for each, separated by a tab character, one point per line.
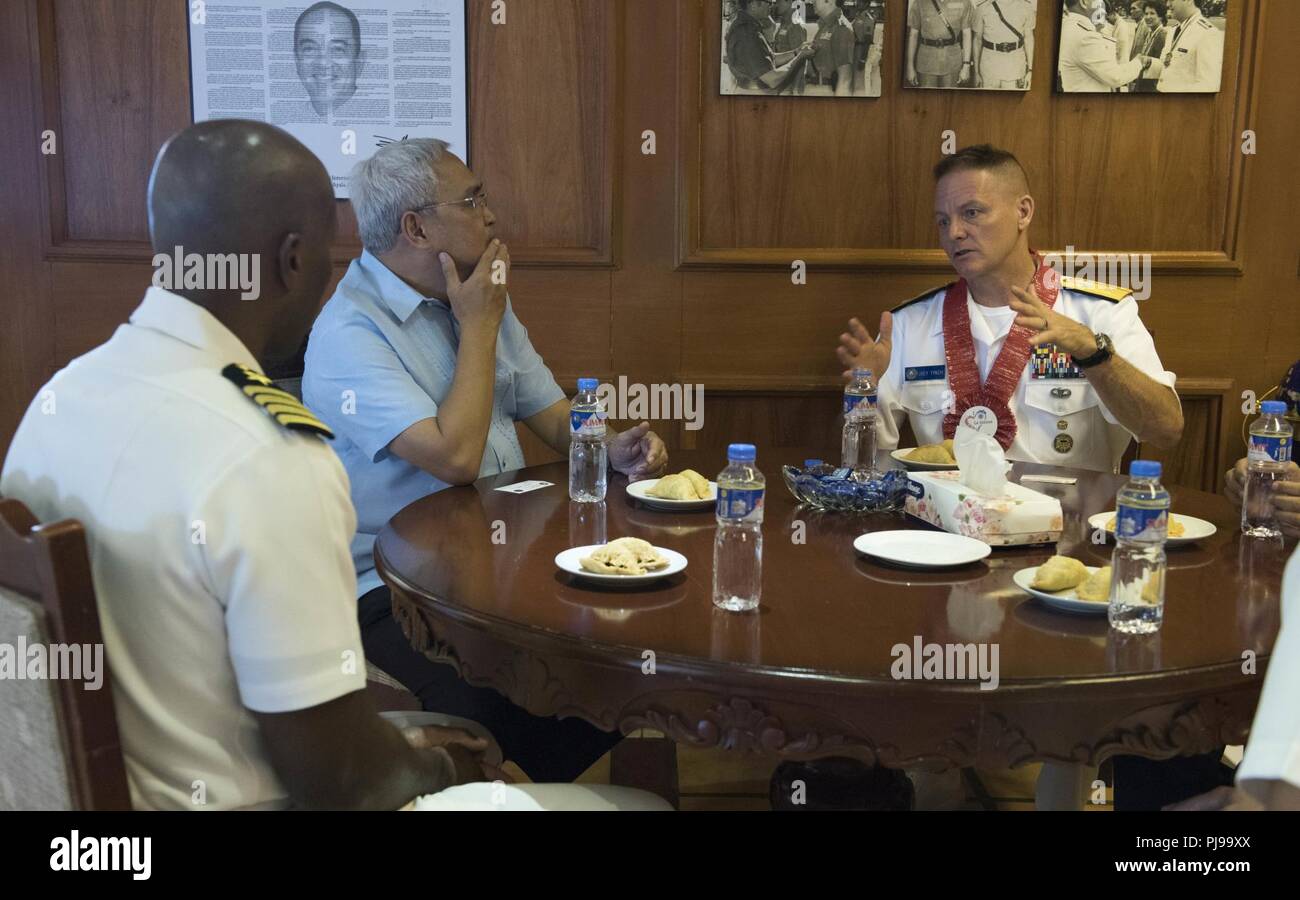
1058	371
218	519
1193	60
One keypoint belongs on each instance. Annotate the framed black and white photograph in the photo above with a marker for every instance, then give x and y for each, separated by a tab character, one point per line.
970	44
802	48
342	77
1151	47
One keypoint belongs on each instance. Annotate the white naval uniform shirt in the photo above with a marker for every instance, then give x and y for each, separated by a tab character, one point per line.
218	545
1088	59
915	384
1195	53
1273	749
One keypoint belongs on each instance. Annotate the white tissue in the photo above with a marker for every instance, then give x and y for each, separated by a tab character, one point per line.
981	461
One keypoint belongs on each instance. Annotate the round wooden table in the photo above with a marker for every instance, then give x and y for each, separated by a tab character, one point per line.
809	675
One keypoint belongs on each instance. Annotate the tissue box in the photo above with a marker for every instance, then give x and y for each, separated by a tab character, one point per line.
1021	516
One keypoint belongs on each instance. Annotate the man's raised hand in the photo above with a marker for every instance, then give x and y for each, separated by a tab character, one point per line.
857	349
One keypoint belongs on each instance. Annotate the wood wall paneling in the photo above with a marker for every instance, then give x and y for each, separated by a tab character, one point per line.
847	183
114	80
675	266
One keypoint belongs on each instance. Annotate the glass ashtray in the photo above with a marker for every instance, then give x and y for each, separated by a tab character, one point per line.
845	490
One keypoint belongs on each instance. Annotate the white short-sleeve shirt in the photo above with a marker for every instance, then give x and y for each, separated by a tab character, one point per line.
218	542
1060	418
1273	749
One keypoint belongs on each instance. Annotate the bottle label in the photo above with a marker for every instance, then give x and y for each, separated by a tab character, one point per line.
738	503
586	424
1142	524
1270	448
853	401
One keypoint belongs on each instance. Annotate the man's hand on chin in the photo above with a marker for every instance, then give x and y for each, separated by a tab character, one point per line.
638	453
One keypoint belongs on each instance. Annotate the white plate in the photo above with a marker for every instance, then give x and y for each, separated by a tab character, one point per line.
914	466
922	549
638	490
1067	601
568	561
1195	529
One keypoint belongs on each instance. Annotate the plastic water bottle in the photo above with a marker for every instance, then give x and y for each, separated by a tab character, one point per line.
738	544
858	445
1137	584
588	455
1271	439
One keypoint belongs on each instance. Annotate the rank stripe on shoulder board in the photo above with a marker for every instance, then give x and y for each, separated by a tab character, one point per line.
280	405
919	297
1095	288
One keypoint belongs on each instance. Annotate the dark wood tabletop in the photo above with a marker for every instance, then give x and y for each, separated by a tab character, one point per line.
476	585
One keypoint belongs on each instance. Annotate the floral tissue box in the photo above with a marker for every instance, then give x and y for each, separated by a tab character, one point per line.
1021	516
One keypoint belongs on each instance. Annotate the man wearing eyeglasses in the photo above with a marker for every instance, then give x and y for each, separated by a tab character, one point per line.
421	368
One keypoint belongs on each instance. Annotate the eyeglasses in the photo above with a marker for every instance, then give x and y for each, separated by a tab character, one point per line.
478	201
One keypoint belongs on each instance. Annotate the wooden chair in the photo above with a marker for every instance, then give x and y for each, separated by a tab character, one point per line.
59	746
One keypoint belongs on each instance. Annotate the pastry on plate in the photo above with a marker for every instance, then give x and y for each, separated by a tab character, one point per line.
1060	573
624	556
1096	587
685	485
700	483
937	454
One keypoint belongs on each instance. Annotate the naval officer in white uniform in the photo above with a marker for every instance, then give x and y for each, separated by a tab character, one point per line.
1089	60
1059	372
218	519
1193	60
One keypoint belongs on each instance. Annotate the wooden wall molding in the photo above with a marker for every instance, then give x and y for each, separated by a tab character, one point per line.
699	75
599	29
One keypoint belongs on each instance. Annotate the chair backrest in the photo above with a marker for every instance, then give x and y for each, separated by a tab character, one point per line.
62	751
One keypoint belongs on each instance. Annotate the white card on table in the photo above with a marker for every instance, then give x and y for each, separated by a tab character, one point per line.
523	487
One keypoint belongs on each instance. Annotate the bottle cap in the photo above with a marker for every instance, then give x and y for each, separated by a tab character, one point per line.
1144	468
1273	408
742	452
588	385
861	373
812	463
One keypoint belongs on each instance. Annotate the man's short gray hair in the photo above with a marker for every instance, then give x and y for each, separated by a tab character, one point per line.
398	178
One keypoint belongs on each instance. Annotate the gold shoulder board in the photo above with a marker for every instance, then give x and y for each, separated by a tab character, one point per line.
1095	289
280	405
